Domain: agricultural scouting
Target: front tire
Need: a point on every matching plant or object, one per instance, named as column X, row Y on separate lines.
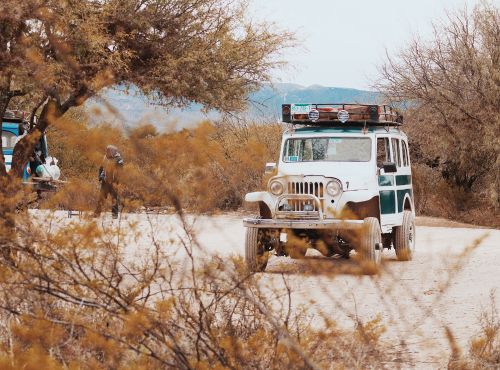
column 370, row 244
column 255, row 255
column 404, row 237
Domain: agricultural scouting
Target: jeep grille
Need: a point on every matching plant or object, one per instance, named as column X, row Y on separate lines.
column 315, row 188
column 306, row 187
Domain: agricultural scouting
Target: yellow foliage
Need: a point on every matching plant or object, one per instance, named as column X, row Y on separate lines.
column 207, row 168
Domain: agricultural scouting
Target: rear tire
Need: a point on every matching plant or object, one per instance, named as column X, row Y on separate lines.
column 370, row 245
column 255, row 255
column 404, row 237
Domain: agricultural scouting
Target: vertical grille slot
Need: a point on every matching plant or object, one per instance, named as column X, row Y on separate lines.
column 315, row 188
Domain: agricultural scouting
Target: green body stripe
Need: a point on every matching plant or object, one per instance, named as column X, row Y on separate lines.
column 386, row 180
column 403, row 179
column 387, row 202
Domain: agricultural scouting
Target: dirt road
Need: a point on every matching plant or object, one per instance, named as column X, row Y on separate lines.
column 448, row 283
column 443, row 286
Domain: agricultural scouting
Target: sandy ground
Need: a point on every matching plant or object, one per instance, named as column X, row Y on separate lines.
column 416, row 300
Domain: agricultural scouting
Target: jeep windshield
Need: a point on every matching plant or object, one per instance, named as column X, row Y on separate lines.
column 329, row 149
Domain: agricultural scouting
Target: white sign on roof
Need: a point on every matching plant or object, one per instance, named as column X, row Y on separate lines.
column 300, row 108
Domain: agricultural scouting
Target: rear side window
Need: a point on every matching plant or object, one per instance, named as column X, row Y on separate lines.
column 9, row 140
column 395, row 152
column 406, row 162
column 383, row 152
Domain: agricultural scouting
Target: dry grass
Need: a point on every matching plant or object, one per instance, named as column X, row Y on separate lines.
column 208, row 168
column 484, row 348
column 72, row 299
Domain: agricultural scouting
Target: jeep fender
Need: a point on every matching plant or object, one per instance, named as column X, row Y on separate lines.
column 266, row 201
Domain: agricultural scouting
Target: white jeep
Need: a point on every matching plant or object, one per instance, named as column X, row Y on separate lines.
column 343, row 183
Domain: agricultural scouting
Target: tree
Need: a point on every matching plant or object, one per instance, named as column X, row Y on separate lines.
column 60, row 53
column 452, row 84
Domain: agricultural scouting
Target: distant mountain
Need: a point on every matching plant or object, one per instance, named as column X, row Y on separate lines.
column 129, row 107
column 267, row 101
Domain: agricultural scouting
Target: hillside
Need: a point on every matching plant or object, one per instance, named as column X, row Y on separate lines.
column 269, row 98
column 131, row 107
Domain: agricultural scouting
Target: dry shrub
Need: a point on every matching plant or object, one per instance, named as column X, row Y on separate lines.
column 450, row 85
column 484, row 348
column 75, row 298
column 434, row 196
column 207, row 168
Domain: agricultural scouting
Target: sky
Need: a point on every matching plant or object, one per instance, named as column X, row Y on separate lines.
column 343, row 41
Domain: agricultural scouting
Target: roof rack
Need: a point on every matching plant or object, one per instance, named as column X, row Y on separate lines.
column 14, row 116
column 341, row 113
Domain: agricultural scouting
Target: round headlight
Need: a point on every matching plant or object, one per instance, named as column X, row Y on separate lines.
column 333, row 188
column 276, row 187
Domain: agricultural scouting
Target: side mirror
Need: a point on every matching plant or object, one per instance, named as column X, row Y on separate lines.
column 389, row 167
column 270, row 168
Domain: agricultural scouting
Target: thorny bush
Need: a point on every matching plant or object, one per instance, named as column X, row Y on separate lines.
column 208, row 168
column 484, row 348
column 77, row 295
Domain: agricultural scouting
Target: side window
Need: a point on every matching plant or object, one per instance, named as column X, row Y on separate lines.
column 9, row 140
column 383, row 153
column 405, row 154
column 395, row 152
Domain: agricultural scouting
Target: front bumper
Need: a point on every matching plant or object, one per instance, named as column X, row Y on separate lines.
column 332, row 224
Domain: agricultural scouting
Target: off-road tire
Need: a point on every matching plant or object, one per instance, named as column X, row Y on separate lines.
column 255, row 255
column 370, row 237
column 404, row 237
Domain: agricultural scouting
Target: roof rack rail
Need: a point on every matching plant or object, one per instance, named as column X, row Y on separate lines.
column 341, row 113
column 14, row 116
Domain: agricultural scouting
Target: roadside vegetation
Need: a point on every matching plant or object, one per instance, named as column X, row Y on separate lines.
column 451, row 86
column 72, row 299
column 207, row 169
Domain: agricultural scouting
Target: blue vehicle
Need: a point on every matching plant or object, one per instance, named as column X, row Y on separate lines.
column 13, row 128
column 41, row 171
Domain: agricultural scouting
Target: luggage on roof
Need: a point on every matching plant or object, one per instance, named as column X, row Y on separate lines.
column 341, row 113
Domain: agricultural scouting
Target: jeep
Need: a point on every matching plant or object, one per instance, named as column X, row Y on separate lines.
column 342, row 183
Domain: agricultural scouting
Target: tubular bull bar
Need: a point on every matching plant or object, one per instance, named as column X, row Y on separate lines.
column 301, row 219
column 315, row 214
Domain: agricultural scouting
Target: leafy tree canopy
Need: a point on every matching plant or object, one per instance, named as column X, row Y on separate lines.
column 453, row 82
column 58, row 53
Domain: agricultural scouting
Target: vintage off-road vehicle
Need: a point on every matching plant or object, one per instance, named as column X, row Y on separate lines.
column 42, row 172
column 343, row 182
